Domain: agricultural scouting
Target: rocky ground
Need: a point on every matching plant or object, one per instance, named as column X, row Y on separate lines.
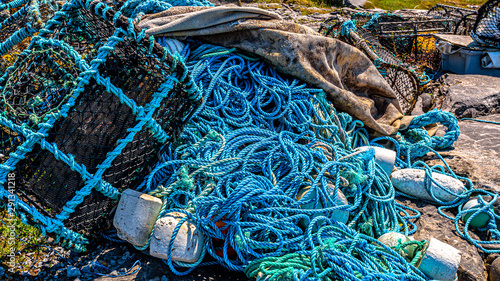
column 476, row 155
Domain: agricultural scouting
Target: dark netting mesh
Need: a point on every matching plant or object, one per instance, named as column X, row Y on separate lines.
column 486, row 29
column 94, row 138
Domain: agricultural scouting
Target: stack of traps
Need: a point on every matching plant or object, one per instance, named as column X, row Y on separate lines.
column 86, row 108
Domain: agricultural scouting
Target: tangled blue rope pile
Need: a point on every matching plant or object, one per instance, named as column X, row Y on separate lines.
column 257, row 140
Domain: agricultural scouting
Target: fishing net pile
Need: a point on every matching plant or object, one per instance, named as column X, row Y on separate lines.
column 86, row 107
column 262, row 164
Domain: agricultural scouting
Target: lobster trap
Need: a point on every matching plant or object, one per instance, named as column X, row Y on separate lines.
column 486, row 29
column 21, row 21
column 463, row 18
column 87, row 108
column 402, row 77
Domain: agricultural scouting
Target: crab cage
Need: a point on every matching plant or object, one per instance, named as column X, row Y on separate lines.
column 412, row 41
column 465, row 18
column 486, row 29
column 402, row 77
column 86, row 110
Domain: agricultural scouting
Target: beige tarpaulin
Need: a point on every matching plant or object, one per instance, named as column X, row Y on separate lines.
column 349, row 77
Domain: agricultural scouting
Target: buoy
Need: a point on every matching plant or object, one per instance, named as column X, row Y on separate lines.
column 392, row 239
column 480, row 220
column 188, row 243
column 135, row 216
column 413, row 182
column 307, row 194
column 440, row 261
column 383, row 156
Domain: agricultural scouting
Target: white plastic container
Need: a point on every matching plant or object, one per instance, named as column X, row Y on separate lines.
column 467, row 61
column 188, row 243
column 135, row 216
column 412, row 182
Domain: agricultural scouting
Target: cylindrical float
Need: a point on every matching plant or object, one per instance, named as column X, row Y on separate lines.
column 413, row 182
column 384, row 157
column 188, row 243
column 440, row 261
column 392, row 239
column 308, row 194
column 480, row 220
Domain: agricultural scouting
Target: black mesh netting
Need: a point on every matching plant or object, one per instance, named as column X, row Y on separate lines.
column 42, row 82
column 486, row 29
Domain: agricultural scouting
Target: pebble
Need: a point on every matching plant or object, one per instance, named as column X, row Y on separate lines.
column 112, row 262
column 164, row 278
column 495, row 270
column 2, row 271
column 72, row 271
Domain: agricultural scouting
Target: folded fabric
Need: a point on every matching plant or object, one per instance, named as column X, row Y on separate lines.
column 348, row 76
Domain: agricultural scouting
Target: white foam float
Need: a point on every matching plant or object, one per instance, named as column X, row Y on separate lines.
column 135, row 216
column 188, row 243
column 440, row 261
column 413, row 183
column 384, row 157
column 306, row 193
column 392, row 239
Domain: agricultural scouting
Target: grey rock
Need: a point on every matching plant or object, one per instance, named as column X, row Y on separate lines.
column 469, row 95
column 432, row 224
column 72, row 271
column 495, row 270
column 355, row 3
column 424, row 104
column 476, row 153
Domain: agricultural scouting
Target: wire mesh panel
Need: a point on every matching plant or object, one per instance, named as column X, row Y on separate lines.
column 487, row 26
column 86, row 110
